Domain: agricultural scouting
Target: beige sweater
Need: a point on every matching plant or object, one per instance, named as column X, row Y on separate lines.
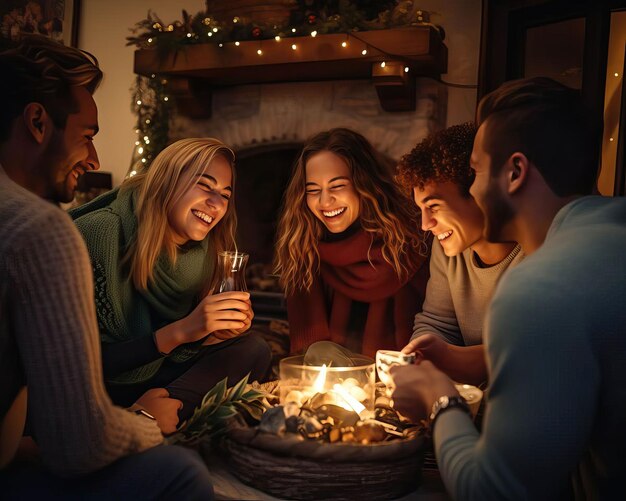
column 457, row 295
column 48, row 326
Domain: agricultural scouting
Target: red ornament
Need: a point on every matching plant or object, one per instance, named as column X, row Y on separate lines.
column 311, row 19
column 256, row 32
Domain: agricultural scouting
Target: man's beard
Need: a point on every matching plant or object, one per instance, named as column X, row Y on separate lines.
column 497, row 215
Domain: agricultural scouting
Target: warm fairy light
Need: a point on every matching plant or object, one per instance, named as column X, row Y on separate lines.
column 616, row 74
column 293, row 30
column 235, row 19
column 153, row 76
column 214, row 30
column 314, row 34
column 166, row 98
column 137, row 131
column 221, row 45
column 344, row 44
column 137, row 143
column 277, row 38
column 149, row 40
column 147, row 141
column 147, row 120
column 610, row 139
column 382, row 65
column 294, row 46
column 406, row 69
column 364, row 52
column 145, row 138
column 210, row 33
column 259, row 52
column 237, row 44
column 143, row 160
column 188, row 35
column 140, row 150
column 132, row 173
column 320, row 380
column 138, row 103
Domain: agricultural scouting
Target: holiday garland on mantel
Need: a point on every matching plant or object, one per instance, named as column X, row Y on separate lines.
column 150, row 101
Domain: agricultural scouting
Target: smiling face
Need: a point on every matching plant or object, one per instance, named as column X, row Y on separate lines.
column 330, row 192
column 70, row 151
column 203, row 204
column 455, row 220
column 488, row 193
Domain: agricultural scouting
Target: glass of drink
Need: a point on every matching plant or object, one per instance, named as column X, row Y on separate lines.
column 231, row 271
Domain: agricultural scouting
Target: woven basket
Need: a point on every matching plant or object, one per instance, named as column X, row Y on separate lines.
column 292, row 468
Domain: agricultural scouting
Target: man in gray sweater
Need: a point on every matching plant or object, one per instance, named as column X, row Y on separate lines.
column 464, row 266
column 555, row 330
column 50, row 362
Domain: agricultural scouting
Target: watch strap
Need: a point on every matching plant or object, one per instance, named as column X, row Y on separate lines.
column 447, row 402
column 145, row 413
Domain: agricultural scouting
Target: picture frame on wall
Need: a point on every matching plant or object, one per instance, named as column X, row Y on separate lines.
column 57, row 19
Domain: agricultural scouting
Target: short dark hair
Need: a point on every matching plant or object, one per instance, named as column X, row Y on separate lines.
column 441, row 157
column 548, row 122
column 38, row 69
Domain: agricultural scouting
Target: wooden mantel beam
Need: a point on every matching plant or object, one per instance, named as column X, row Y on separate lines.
column 418, row 48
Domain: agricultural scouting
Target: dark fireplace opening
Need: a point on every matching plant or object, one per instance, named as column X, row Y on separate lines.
column 262, row 175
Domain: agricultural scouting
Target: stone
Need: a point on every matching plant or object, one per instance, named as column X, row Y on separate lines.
column 291, row 409
column 368, row 433
column 341, row 416
column 291, row 424
column 273, row 421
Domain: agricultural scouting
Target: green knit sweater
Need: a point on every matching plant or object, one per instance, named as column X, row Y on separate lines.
column 108, row 225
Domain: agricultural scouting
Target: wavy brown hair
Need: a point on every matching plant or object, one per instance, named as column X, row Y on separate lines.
column 385, row 212
column 442, row 156
column 171, row 174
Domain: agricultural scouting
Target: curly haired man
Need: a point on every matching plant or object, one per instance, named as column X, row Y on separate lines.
column 464, row 266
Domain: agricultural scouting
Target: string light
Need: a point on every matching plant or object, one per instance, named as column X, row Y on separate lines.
column 149, row 40
column 147, row 141
column 221, row 45
column 237, row 44
column 210, row 33
column 294, row 46
column 364, row 52
column 132, row 173
column 314, row 34
column 143, row 160
column 137, row 143
column 235, row 19
column 140, row 150
column 147, row 121
column 166, row 98
column 138, row 103
column 259, row 52
column 610, row 139
column 277, row 38
column 616, row 74
column 293, row 30
column 406, row 69
column 145, row 138
column 188, row 35
column 344, row 44
column 382, row 65
column 214, row 30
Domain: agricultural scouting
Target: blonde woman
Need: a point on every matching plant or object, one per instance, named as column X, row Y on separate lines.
column 350, row 254
column 153, row 245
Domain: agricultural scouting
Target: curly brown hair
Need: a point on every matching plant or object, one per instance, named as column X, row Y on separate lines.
column 442, row 156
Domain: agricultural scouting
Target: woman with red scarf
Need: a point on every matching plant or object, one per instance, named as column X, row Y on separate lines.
column 349, row 252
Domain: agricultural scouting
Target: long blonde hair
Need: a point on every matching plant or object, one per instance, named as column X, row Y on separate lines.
column 385, row 211
column 171, row 174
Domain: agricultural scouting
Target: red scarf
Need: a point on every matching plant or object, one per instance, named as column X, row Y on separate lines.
column 346, row 270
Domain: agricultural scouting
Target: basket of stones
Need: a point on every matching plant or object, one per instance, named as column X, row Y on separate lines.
column 320, row 450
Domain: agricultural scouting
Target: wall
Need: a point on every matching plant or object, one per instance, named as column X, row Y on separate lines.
column 104, row 27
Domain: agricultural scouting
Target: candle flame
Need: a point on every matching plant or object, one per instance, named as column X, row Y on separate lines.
column 357, row 406
column 320, row 380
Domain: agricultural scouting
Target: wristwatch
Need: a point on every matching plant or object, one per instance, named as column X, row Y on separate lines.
column 447, row 402
column 145, row 413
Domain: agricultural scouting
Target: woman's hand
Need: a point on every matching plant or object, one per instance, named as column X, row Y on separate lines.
column 219, row 336
column 216, row 312
column 164, row 409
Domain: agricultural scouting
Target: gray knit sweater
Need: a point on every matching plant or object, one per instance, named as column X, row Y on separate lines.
column 457, row 295
column 48, row 324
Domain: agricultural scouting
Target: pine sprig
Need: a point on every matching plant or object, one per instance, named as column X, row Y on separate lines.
column 218, row 406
